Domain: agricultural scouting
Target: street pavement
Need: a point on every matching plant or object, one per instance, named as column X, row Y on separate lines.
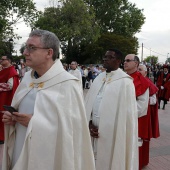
column 159, row 148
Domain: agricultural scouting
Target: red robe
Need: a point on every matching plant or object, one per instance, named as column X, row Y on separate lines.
column 154, row 122
column 153, row 128
column 141, row 85
column 6, row 96
column 164, row 93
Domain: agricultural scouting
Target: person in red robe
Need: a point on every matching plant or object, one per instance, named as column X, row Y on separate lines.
column 9, row 81
column 131, row 64
column 153, row 122
column 163, row 84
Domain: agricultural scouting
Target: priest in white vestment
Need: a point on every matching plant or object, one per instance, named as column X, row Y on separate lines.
column 112, row 114
column 49, row 131
column 75, row 71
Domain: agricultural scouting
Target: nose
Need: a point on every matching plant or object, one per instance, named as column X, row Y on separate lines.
column 25, row 52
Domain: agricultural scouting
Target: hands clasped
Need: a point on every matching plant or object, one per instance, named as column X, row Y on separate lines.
column 11, row 119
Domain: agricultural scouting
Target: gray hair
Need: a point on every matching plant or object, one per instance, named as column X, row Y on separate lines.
column 144, row 67
column 48, row 40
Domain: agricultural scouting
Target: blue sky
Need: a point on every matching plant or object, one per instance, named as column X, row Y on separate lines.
column 155, row 33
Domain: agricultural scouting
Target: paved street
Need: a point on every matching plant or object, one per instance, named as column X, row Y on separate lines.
column 160, row 148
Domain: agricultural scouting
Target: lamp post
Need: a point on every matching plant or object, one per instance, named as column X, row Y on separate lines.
column 10, row 46
column 167, row 58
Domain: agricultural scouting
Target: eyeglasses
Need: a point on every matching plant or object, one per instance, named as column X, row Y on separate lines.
column 30, row 49
column 128, row 60
column 108, row 57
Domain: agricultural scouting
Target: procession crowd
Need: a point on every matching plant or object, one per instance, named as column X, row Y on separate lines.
column 54, row 127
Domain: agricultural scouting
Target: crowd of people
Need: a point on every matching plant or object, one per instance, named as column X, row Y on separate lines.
column 55, row 127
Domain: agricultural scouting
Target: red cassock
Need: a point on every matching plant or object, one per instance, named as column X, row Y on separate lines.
column 141, row 85
column 6, row 96
column 164, row 93
column 153, row 130
column 153, row 109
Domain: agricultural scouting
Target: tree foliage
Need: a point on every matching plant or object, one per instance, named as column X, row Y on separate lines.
column 118, row 16
column 12, row 12
column 93, row 53
column 86, row 28
column 151, row 59
column 73, row 22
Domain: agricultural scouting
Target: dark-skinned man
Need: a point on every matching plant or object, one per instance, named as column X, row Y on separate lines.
column 112, row 114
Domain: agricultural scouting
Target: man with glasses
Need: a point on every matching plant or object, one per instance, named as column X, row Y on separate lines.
column 112, row 114
column 50, row 130
column 131, row 64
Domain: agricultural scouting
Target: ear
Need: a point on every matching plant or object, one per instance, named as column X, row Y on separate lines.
column 50, row 53
column 119, row 61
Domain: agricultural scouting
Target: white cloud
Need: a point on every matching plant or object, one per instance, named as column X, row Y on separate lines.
column 155, row 33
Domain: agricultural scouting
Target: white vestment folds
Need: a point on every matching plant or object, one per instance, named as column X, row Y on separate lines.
column 117, row 145
column 57, row 136
column 77, row 74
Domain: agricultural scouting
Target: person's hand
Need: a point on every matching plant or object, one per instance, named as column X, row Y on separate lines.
column 162, row 87
column 7, row 118
column 93, row 130
column 22, row 118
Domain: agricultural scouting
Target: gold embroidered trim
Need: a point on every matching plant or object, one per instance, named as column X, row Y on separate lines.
column 41, row 85
column 31, row 85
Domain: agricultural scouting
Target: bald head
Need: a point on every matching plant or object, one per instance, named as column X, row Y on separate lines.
column 131, row 63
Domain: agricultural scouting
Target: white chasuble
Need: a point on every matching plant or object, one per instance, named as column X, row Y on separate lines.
column 117, row 145
column 57, row 136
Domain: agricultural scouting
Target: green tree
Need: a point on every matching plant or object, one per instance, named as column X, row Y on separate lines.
column 118, row 16
column 87, row 27
column 151, row 59
column 93, row 53
column 74, row 23
column 14, row 11
column 11, row 13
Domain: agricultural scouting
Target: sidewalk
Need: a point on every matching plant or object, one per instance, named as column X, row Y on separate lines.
column 160, row 148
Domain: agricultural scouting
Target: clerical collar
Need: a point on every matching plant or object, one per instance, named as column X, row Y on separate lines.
column 36, row 75
column 109, row 74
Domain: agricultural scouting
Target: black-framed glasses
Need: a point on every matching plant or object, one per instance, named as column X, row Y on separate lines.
column 108, row 57
column 129, row 60
column 33, row 48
